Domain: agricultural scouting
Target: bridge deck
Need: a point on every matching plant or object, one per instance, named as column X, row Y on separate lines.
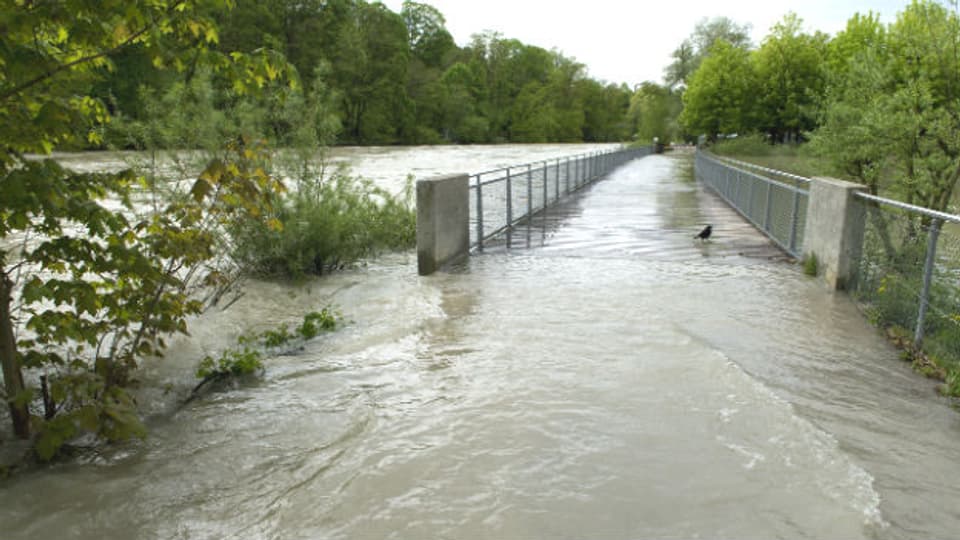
column 634, row 213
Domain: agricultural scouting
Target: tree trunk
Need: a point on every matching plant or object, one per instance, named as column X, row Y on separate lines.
column 12, row 376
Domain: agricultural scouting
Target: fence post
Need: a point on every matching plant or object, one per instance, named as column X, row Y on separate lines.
column 557, row 175
column 766, row 211
column 443, row 221
column 529, row 192
column 834, row 229
column 795, row 218
column 927, row 279
column 546, row 194
column 509, row 208
column 479, row 213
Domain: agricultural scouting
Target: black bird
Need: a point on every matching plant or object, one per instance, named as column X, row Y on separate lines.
column 705, row 233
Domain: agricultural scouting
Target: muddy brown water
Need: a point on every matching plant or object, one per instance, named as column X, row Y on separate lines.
column 614, row 380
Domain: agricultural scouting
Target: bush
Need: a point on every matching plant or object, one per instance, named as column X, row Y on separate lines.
column 325, row 226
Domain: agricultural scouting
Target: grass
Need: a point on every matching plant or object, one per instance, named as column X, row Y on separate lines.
column 792, row 158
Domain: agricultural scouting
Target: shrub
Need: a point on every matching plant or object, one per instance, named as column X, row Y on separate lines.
column 326, row 225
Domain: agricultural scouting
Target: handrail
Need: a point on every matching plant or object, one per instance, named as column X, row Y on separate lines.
column 754, row 166
column 936, row 214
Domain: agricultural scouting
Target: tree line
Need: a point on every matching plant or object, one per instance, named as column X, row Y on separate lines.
column 880, row 102
column 382, row 78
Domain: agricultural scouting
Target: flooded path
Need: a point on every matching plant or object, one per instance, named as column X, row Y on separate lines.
column 615, row 380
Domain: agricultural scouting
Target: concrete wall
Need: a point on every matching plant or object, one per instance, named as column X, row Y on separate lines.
column 834, row 229
column 443, row 221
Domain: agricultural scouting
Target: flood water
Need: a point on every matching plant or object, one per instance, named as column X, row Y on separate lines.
column 614, row 380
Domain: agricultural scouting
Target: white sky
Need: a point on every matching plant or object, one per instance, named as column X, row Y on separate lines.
column 631, row 40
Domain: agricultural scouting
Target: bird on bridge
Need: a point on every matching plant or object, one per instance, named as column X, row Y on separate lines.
column 705, row 233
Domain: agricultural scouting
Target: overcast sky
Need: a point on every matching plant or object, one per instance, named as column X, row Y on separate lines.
column 631, row 40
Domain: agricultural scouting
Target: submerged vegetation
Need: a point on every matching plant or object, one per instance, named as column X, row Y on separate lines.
column 246, row 359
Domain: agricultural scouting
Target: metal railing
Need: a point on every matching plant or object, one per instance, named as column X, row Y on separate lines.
column 908, row 272
column 907, row 268
column 775, row 202
column 503, row 198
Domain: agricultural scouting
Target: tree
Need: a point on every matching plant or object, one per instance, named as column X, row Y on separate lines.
column 848, row 113
column 369, row 70
column 722, row 92
column 655, row 109
column 691, row 52
column 429, row 40
column 85, row 290
column 894, row 106
column 463, row 97
column 788, row 69
column 432, row 49
column 604, row 111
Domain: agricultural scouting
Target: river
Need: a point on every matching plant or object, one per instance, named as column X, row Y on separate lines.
column 615, row 380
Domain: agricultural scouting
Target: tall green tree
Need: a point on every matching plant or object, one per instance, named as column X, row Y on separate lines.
column 655, row 110
column 605, row 109
column 722, row 93
column 432, row 50
column 369, row 70
column 849, row 116
column 791, row 79
column 898, row 104
column 691, row 52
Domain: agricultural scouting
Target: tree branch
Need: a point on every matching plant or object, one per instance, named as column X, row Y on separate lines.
column 90, row 58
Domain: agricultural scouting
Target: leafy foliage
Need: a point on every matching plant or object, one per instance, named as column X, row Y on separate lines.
column 655, row 110
column 326, row 224
column 247, row 358
column 232, row 362
column 91, row 281
column 316, row 322
column 790, row 79
column 721, row 96
column 692, row 51
column 395, row 78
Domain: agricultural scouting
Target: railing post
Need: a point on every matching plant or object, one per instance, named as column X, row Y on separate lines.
column 546, row 194
column 479, row 213
column 529, row 191
column 794, row 219
column 558, row 179
column 509, row 208
column 927, row 280
column 766, row 211
column 529, row 200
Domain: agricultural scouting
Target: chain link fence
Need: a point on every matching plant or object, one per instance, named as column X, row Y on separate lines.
column 503, row 198
column 908, row 274
column 775, row 202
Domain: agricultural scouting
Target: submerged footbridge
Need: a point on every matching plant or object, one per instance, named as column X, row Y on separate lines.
column 650, row 384
column 461, row 213
column 559, row 206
